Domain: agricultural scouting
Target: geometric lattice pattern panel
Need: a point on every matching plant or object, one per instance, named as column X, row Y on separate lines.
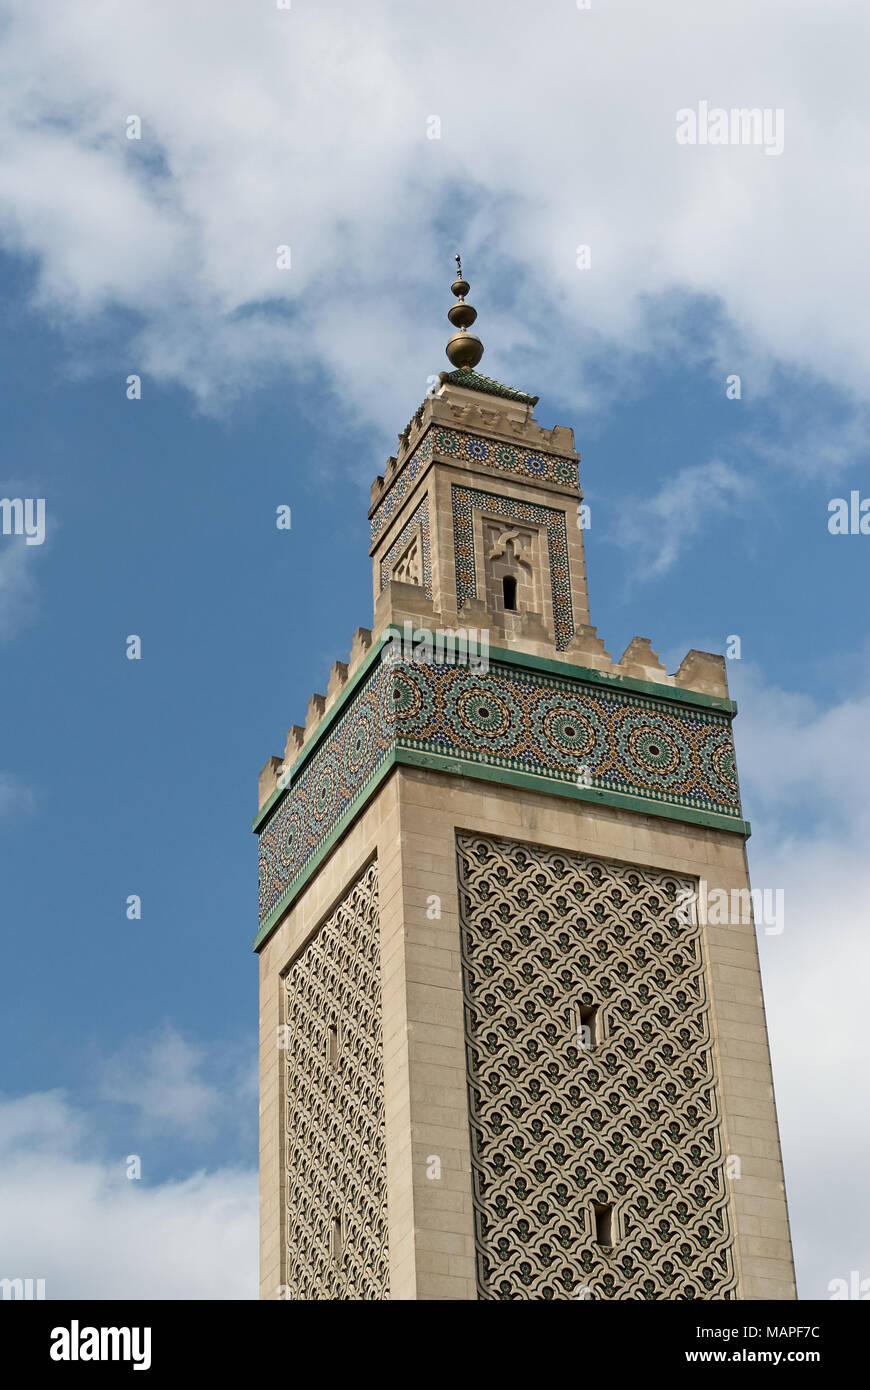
column 335, row 1158
column 509, row 459
column 622, row 1117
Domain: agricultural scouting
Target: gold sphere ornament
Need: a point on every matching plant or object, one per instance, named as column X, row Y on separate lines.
column 461, row 315
column 464, row 350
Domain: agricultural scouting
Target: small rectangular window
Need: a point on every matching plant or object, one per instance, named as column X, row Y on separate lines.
column 587, row 1024
column 337, row 1240
column 332, row 1045
column 603, row 1223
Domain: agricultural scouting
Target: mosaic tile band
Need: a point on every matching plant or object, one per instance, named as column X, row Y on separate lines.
column 327, row 785
column 568, row 732
column 473, row 448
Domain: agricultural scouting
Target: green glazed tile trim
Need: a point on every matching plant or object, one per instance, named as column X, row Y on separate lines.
column 295, row 888
column 621, row 800
column 475, row 381
column 568, row 671
column 564, row 670
column 480, row 772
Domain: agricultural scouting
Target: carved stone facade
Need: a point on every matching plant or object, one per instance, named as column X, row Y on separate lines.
column 618, row 1114
column 512, row 553
column 513, row 1071
column 408, row 558
column 408, row 569
column 496, row 535
column 336, row 1187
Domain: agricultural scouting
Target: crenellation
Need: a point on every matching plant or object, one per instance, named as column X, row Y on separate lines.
column 470, row 413
column 398, row 602
column 499, row 416
column 642, row 663
column 314, row 714
column 703, row 671
column 534, row 632
column 586, row 648
column 293, row 746
column 360, row 648
column 561, row 439
column 268, row 779
column 337, row 682
column 474, row 613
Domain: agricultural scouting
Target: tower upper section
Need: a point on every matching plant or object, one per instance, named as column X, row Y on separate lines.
column 477, row 527
column 481, row 511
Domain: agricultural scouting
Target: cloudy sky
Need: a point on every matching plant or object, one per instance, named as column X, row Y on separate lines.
column 372, row 140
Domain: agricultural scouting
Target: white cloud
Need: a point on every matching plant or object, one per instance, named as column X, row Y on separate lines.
column 163, row 1077
column 655, row 530
column 308, row 127
column 811, row 443
column 81, row 1225
column 16, row 799
column 71, row 1215
column 797, row 753
column 804, row 774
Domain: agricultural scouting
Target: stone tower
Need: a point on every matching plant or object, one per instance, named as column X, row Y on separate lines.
column 507, row 1050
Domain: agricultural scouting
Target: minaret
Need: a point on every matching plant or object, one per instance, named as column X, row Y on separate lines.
column 507, row 1049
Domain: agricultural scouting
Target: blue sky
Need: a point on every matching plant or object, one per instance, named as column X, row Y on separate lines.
column 258, row 389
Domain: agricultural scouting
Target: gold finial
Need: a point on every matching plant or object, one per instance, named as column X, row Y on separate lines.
column 463, row 349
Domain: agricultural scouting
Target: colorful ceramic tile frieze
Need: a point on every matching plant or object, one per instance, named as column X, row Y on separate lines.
column 473, row 448
column 566, row 733
column 326, row 787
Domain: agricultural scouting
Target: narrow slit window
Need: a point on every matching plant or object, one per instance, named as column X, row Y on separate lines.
column 603, row 1223
column 587, row 1025
column 332, row 1045
column 337, row 1240
column 509, row 590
